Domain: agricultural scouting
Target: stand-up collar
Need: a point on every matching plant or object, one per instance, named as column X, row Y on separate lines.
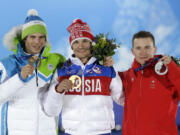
column 77, row 61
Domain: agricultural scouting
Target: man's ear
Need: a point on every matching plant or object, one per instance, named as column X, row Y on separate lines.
column 132, row 51
column 155, row 49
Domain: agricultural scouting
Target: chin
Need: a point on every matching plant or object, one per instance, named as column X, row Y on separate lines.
column 35, row 52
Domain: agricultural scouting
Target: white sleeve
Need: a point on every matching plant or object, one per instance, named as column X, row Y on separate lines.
column 8, row 86
column 53, row 101
column 3, row 73
column 116, row 90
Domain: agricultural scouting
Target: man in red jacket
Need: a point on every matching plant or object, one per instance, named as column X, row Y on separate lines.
column 151, row 97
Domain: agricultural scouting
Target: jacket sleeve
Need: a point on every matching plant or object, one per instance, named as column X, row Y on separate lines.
column 8, row 86
column 174, row 75
column 53, row 101
column 116, row 90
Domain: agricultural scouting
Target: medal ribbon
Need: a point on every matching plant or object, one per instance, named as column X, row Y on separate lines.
column 145, row 65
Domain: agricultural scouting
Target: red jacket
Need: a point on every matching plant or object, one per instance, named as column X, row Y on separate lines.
column 151, row 100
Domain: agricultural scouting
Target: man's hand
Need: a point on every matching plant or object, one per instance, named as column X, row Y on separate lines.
column 108, row 61
column 27, row 70
column 166, row 60
column 64, row 86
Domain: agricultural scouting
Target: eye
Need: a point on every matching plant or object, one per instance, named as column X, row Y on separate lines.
column 32, row 37
column 76, row 42
column 147, row 47
column 138, row 48
column 42, row 37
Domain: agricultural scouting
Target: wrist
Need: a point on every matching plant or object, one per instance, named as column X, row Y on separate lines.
column 23, row 76
column 26, row 79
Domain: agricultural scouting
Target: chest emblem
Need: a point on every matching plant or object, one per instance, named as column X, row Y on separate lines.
column 152, row 84
column 50, row 67
column 97, row 70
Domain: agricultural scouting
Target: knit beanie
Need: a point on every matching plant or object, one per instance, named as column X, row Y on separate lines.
column 79, row 30
column 33, row 24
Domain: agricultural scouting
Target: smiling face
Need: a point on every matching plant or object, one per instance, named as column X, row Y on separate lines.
column 143, row 49
column 81, row 49
column 34, row 43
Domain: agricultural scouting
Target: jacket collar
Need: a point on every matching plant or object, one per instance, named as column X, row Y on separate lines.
column 77, row 61
column 43, row 54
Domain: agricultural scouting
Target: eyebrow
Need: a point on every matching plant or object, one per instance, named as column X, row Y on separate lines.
column 43, row 36
column 85, row 40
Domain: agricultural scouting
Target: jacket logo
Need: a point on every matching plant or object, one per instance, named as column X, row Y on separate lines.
column 50, row 67
column 93, row 85
column 152, row 84
column 97, row 70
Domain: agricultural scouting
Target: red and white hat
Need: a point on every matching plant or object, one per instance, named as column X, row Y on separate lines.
column 79, row 30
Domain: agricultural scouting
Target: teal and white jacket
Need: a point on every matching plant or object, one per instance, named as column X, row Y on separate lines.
column 21, row 112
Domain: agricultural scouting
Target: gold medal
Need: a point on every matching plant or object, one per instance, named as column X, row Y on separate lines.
column 34, row 59
column 75, row 78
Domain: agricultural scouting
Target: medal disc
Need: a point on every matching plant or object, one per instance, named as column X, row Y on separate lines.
column 74, row 78
column 158, row 68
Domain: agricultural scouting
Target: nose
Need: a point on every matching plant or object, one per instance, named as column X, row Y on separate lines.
column 81, row 45
column 143, row 52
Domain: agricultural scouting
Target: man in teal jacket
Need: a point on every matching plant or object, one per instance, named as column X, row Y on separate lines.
column 22, row 74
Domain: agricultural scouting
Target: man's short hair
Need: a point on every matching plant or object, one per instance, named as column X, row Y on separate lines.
column 143, row 34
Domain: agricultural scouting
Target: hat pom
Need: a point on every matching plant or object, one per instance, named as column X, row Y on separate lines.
column 32, row 12
column 77, row 20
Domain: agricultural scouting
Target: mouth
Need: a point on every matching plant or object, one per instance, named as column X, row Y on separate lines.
column 37, row 47
column 81, row 50
column 143, row 58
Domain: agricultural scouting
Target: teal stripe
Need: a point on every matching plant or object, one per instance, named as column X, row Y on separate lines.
column 4, row 129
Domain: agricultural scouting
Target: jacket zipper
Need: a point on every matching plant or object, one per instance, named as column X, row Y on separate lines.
column 37, row 129
column 139, row 98
column 83, row 81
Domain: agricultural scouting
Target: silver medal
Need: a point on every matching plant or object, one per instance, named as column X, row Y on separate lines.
column 158, row 67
